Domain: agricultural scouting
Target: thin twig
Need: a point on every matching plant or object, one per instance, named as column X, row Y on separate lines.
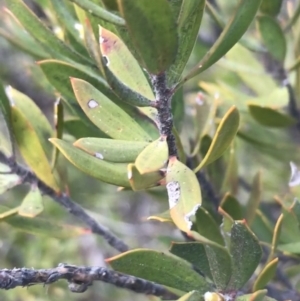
column 163, row 97
column 79, row 279
column 65, row 201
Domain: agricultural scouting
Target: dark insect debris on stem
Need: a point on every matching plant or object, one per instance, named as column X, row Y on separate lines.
column 79, row 279
column 163, row 96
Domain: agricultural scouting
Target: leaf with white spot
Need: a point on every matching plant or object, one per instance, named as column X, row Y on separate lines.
column 184, row 194
column 113, row 150
column 295, row 175
column 105, row 114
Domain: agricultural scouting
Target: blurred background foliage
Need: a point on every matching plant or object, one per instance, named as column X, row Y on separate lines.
column 259, row 75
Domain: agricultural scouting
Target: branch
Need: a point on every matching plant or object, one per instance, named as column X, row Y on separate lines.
column 79, row 279
column 163, row 97
column 65, row 201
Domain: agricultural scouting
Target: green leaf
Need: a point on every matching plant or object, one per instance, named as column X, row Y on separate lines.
column 112, row 173
column 123, row 64
column 143, row 181
column 295, row 209
column 6, row 129
column 245, row 253
column 152, row 28
column 188, row 24
column 31, row 149
column 35, row 117
column 159, row 267
column 219, row 261
column 124, row 93
column 257, row 296
column 270, row 117
column 59, row 127
column 206, row 226
column 244, row 62
column 118, row 151
column 163, row 217
column 100, row 12
column 18, row 37
column 153, row 157
column 226, row 226
column 273, row 37
column 191, row 296
column 290, row 231
column 41, row 33
column 64, row 13
column 194, row 253
column 276, row 237
column 184, row 194
column 40, row 226
column 105, row 114
column 91, row 43
column 293, row 247
column 233, row 31
column 254, row 198
column 32, row 204
column 271, row 7
column 232, row 206
column 224, row 135
column 266, row 275
column 8, row 180
column 58, row 73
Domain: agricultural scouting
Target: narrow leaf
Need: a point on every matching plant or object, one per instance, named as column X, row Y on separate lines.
column 270, row 117
column 118, row 151
column 272, row 36
column 112, row 173
column 224, row 135
column 159, row 267
column 35, row 117
column 232, row 206
column 123, row 64
column 5, row 113
column 105, row 114
column 233, row 31
column 152, row 29
column 271, row 7
column 254, row 198
column 31, row 149
column 266, row 275
column 99, row 11
column 191, row 296
column 257, row 296
column 40, row 226
column 41, row 33
column 188, row 24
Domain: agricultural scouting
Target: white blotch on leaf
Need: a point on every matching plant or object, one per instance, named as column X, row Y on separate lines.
column 295, row 175
column 188, row 216
column 173, row 189
column 99, row 156
column 92, row 104
column 129, row 174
